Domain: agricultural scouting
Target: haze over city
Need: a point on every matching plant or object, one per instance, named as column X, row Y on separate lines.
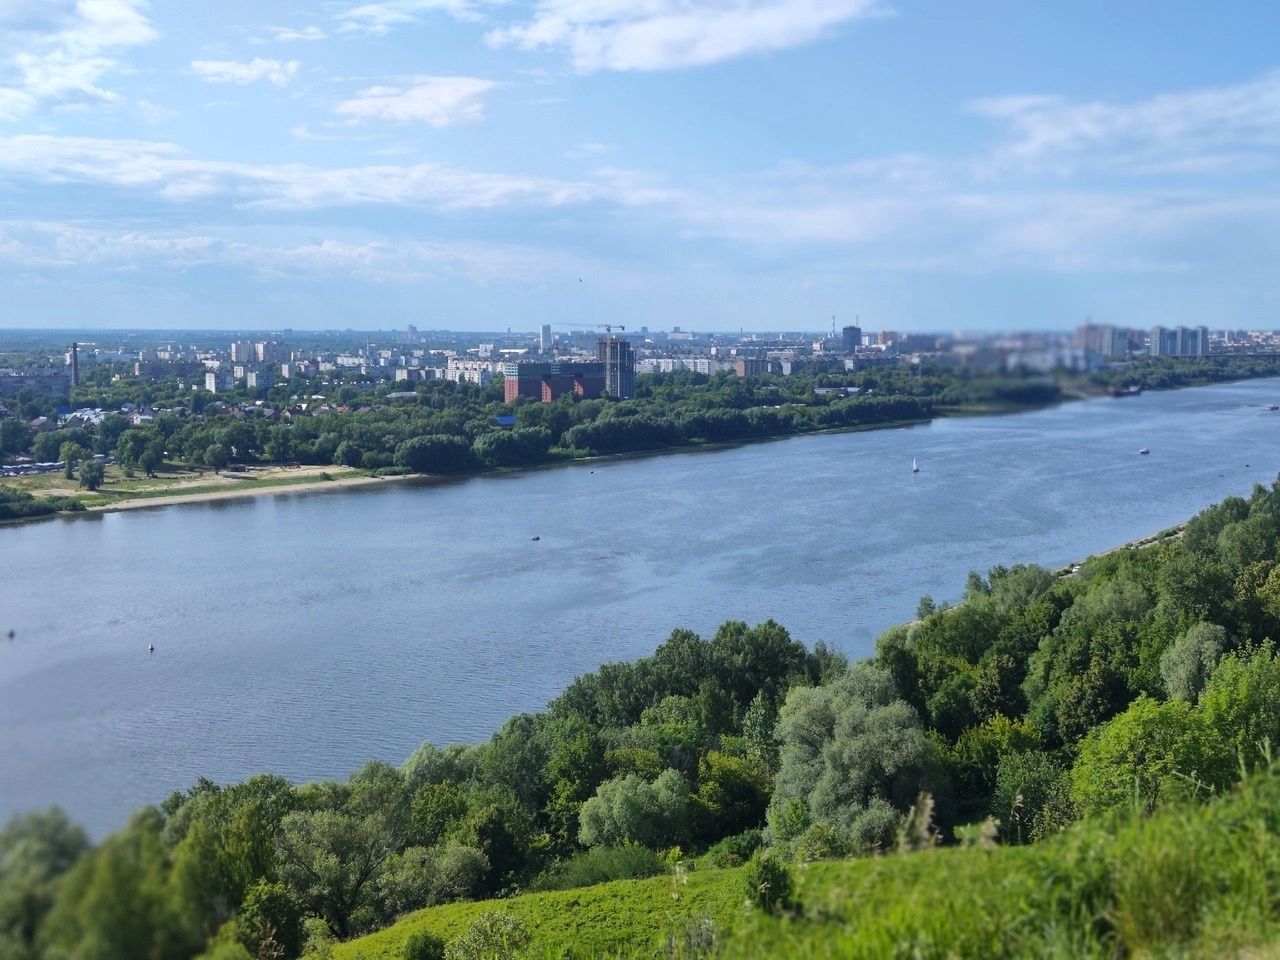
column 758, row 164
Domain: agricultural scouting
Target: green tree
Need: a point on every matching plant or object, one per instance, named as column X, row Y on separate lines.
column 848, row 748
column 1239, row 706
column 35, row 850
column 331, row 862
column 71, row 453
column 1149, row 753
column 1187, row 662
column 92, row 473
column 116, row 904
column 435, row 453
column 630, row 810
column 280, row 447
column 215, row 455
column 15, row 436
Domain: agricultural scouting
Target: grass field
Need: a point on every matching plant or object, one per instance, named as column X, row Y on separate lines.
column 1192, row 881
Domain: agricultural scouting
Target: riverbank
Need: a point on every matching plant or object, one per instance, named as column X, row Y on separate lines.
column 252, row 488
column 189, row 485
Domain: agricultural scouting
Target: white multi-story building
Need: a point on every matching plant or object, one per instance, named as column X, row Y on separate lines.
column 462, row 370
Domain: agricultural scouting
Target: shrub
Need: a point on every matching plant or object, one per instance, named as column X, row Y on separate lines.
column 769, row 882
column 733, row 851
column 496, row 935
column 601, row 865
column 423, row 945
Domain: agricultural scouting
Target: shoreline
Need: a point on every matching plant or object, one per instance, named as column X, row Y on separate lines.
column 273, row 487
column 265, row 488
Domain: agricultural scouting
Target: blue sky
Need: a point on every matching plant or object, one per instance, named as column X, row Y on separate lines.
column 710, row 164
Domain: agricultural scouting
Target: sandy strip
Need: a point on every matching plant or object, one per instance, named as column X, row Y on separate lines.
column 233, row 493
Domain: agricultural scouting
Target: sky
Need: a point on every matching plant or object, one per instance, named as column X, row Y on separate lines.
column 708, row 164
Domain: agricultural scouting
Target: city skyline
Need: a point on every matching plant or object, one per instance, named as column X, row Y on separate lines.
column 758, row 164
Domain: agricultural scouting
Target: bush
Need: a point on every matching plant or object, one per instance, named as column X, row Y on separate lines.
column 733, row 851
column 423, row 945
column 600, row 865
column 496, row 935
column 769, row 882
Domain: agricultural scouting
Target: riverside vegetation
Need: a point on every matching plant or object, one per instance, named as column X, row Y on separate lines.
column 451, row 428
column 1089, row 752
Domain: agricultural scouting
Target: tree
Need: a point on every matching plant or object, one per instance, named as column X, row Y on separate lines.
column 280, row 446
column 15, row 436
column 71, row 453
column 215, row 455
column 1150, row 752
column 331, row 862
column 435, row 453
column 35, row 850
column 1239, row 705
column 847, row 748
column 152, row 456
column 630, row 810
column 115, row 904
column 348, row 454
column 92, row 474
column 1187, row 662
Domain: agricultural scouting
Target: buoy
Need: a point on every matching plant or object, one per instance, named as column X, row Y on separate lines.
column 12, row 634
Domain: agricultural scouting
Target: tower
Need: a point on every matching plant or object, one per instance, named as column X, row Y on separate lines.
column 75, row 364
column 619, row 366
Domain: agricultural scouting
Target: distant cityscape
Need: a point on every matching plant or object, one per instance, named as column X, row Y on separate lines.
column 544, row 365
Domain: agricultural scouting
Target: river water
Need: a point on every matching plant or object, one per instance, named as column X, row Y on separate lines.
column 305, row 633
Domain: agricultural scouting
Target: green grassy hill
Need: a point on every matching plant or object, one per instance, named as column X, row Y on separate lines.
column 1191, row 881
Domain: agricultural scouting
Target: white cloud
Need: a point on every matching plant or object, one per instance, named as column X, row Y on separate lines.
column 53, row 244
column 435, row 101
column 279, row 72
column 56, row 51
column 153, row 113
column 1215, row 128
column 294, row 34
column 168, row 174
column 670, row 34
column 382, row 16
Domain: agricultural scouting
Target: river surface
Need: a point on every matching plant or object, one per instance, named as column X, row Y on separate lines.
column 305, row 633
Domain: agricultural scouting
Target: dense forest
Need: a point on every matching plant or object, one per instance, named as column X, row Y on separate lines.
column 1145, row 677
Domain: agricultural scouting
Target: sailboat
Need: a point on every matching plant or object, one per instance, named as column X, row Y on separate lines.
column 915, row 465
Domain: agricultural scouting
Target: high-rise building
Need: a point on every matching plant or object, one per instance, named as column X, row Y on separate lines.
column 619, row 366
column 852, row 338
column 1179, row 342
column 544, row 339
column 243, row 351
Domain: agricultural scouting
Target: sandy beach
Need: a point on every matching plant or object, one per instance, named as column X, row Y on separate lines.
column 260, row 488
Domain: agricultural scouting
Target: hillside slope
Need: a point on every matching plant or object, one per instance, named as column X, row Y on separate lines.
column 1194, row 880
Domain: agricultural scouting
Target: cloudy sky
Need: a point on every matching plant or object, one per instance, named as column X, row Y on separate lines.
column 712, row 164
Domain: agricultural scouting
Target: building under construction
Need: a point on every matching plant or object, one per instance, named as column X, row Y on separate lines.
column 619, row 361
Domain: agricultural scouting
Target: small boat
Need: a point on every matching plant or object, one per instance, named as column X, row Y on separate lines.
column 915, row 465
column 151, row 648
column 1273, row 407
column 1144, row 451
column 535, row 538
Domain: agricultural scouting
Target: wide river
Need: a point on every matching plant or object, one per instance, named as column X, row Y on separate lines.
column 305, row 633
